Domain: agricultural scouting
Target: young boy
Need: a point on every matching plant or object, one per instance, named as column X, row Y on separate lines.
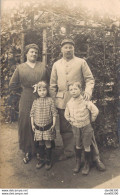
column 80, row 114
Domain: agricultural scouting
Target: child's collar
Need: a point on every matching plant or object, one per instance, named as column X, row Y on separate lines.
column 80, row 97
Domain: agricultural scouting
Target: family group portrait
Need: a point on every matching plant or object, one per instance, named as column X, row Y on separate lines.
column 60, row 94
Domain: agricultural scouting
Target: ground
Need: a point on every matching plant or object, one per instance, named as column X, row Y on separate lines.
column 15, row 174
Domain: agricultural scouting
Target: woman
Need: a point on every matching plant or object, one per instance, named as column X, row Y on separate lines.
column 27, row 74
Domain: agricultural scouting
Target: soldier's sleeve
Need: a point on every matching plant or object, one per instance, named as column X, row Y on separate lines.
column 53, row 82
column 88, row 78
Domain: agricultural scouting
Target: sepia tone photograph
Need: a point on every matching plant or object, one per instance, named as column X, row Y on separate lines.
column 60, row 94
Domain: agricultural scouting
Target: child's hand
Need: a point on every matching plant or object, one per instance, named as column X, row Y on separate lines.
column 71, row 121
column 33, row 128
column 52, row 128
column 93, row 119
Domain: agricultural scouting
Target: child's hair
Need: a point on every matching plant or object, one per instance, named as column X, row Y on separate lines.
column 41, row 84
column 77, row 84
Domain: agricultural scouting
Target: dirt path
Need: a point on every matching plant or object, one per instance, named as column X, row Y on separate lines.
column 15, row 174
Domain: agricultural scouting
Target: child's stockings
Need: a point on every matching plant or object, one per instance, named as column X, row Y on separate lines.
column 48, row 164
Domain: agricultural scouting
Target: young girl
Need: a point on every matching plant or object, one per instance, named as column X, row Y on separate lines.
column 80, row 114
column 43, row 119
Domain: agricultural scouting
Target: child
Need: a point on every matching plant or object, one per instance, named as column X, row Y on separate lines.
column 80, row 114
column 43, row 119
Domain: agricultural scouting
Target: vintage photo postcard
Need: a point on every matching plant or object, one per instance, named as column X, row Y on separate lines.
column 60, row 96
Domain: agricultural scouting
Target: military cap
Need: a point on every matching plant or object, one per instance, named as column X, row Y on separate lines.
column 65, row 41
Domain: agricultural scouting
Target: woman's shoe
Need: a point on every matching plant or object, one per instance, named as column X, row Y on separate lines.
column 27, row 158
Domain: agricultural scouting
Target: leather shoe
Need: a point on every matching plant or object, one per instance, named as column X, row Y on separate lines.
column 27, row 158
column 40, row 164
column 99, row 165
column 86, row 168
column 77, row 167
column 48, row 165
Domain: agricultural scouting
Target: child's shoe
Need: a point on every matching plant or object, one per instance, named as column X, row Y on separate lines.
column 41, row 161
column 40, row 164
column 48, row 164
column 86, row 167
column 77, row 167
column 78, row 160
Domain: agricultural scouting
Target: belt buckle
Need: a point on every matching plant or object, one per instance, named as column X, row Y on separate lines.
column 43, row 128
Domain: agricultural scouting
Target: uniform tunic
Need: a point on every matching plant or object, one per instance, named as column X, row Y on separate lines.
column 27, row 77
column 64, row 73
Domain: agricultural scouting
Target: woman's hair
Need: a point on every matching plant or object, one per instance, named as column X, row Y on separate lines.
column 76, row 84
column 34, row 46
column 41, row 84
